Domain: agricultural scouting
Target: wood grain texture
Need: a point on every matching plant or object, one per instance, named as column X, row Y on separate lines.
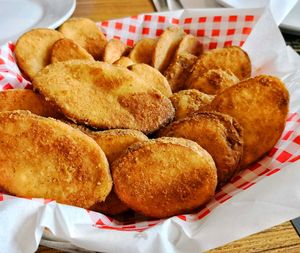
column 282, row 238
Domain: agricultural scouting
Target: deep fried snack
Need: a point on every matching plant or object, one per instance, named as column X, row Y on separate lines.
column 113, row 50
column 124, row 61
column 260, row 105
column 103, row 96
column 33, row 50
column 23, row 99
column 219, row 134
column 86, row 33
column 114, row 143
column 187, row 102
column 189, row 44
column 66, row 49
column 152, row 77
column 143, row 50
column 166, row 46
column 50, row 159
column 229, row 58
column 214, row 81
column 164, row 177
column 179, row 70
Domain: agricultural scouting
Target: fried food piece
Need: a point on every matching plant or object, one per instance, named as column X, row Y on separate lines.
column 260, row 105
column 33, row 50
column 143, row 50
column 113, row 50
column 23, row 99
column 86, row 33
column 164, row 177
column 152, row 77
column 166, row 47
column 219, row 134
column 179, row 70
column 229, row 58
column 114, row 143
column 66, row 49
column 103, row 96
column 187, row 102
column 189, row 44
column 214, row 81
column 49, row 159
column 124, row 61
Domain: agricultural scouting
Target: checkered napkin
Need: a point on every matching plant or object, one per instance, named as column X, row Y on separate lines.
column 259, row 197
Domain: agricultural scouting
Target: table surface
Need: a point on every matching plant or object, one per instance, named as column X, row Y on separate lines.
column 282, row 238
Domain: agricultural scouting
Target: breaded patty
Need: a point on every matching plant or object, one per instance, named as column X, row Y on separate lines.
column 164, row 177
column 143, row 50
column 189, row 44
column 50, row 159
column 219, row 134
column 113, row 50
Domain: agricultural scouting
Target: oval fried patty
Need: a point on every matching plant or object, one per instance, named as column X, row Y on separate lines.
column 260, row 105
column 164, row 177
column 104, row 96
column 45, row 158
column 219, row 134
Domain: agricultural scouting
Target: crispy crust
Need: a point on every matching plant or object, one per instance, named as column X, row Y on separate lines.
column 152, row 77
column 143, row 50
column 124, row 61
column 187, row 102
column 86, row 33
column 103, row 96
column 260, row 105
column 66, row 49
column 219, row 134
column 158, row 187
column 50, row 159
column 23, row 99
column 189, row 44
column 33, row 50
column 114, row 49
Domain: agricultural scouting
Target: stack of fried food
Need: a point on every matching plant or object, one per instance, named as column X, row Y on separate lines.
column 155, row 128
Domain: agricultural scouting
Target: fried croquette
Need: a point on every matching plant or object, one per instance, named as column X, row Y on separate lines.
column 260, row 105
column 164, row 177
column 187, row 102
column 179, row 70
column 113, row 50
column 189, row 44
column 214, row 81
column 219, row 134
column 166, row 47
column 50, row 159
column 66, row 49
column 33, row 50
column 85, row 33
column 152, row 77
column 143, row 50
column 114, row 143
column 232, row 59
column 124, row 61
column 23, row 99
column 103, row 96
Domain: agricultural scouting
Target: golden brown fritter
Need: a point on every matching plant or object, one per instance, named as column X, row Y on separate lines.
column 124, row 61
column 189, row 44
column 229, row 58
column 260, row 105
column 143, row 50
column 219, row 134
column 86, row 33
column 152, row 77
column 187, row 102
column 33, row 50
column 114, row 143
column 113, row 50
column 179, row 70
column 164, row 177
column 214, row 81
column 45, row 158
column 103, row 96
column 66, row 49
column 23, row 99
column 166, row 47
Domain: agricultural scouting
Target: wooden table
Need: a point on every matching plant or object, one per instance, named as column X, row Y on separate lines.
column 282, row 238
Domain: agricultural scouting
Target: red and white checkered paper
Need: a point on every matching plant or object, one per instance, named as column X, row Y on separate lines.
column 227, row 27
